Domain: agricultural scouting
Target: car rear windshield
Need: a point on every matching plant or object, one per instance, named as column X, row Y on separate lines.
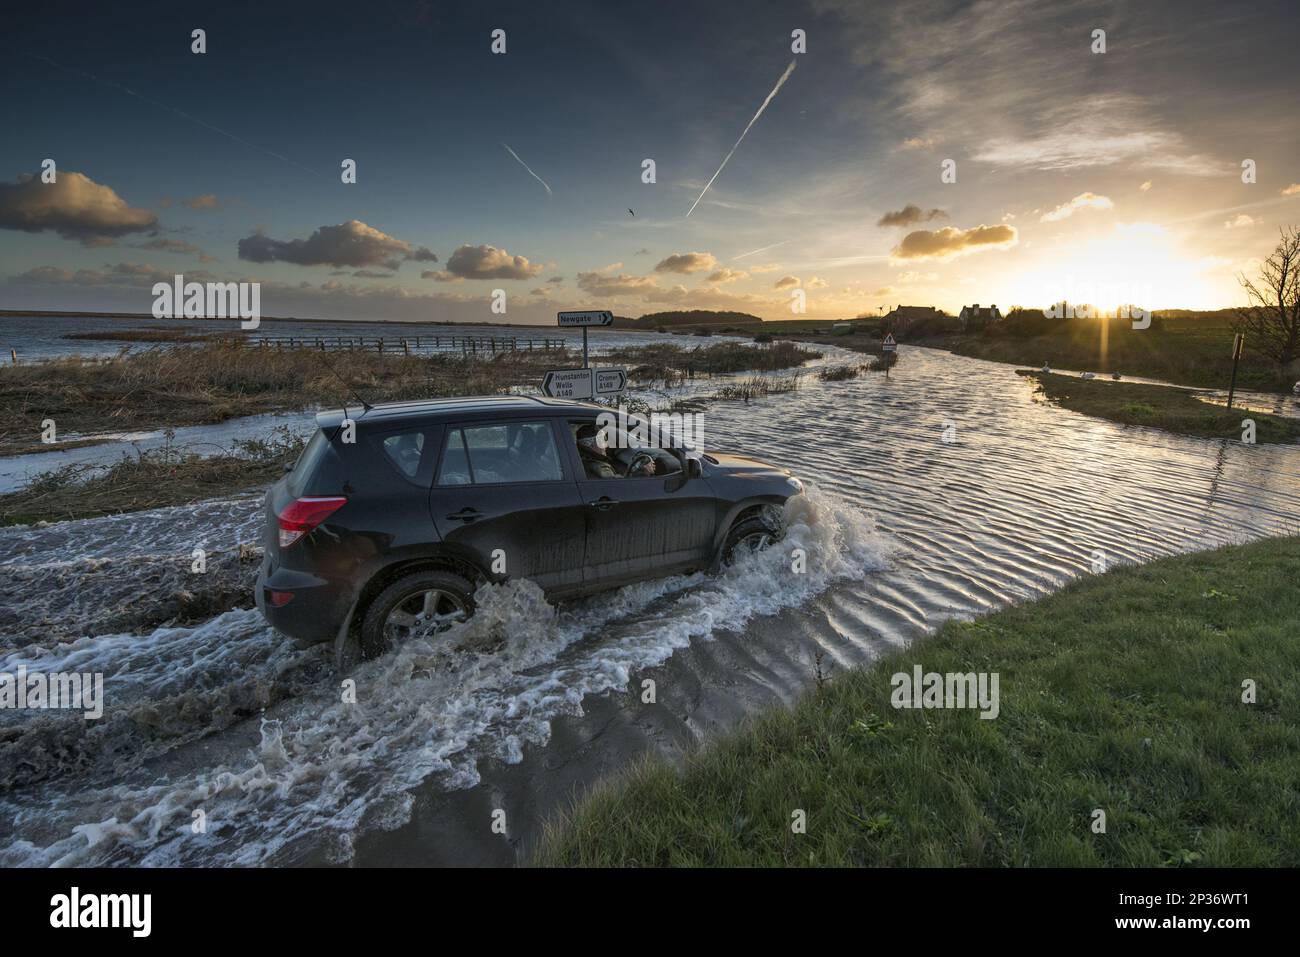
column 307, row 462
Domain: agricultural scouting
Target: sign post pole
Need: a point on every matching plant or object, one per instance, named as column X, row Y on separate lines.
column 585, row 363
column 1237, row 342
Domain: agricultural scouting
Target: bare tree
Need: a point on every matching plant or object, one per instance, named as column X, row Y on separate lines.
column 1271, row 320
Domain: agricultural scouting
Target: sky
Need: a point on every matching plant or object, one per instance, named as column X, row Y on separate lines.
column 1106, row 177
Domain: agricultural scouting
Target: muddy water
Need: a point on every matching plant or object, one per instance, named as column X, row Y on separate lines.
column 528, row 704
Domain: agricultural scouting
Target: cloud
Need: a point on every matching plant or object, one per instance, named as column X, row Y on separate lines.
column 1291, row 190
column 122, row 274
column 642, row 252
column 352, row 244
column 556, row 279
column 1240, row 220
column 1082, row 201
column 600, row 284
column 726, row 275
column 372, row 274
column 74, row 206
column 439, row 275
column 917, row 143
column 170, row 246
column 488, row 262
column 1146, row 186
column 910, row 215
column 883, row 291
column 206, row 201
column 950, row 242
column 816, row 282
column 787, row 282
column 687, row 263
column 766, row 267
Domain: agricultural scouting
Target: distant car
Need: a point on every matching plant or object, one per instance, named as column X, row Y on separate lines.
column 392, row 533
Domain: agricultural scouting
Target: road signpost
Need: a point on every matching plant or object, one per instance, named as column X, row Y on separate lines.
column 585, row 318
column 568, row 384
column 888, row 346
column 610, row 381
column 584, row 383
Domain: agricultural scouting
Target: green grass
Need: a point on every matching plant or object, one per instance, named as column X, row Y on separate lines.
column 1121, row 692
column 1193, row 350
column 1158, row 406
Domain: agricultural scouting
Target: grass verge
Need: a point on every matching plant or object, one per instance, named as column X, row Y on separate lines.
column 1191, row 350
column 1122, row 693
column 1160, row 407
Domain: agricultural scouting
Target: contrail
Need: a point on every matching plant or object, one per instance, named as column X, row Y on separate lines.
column 761, row 249
column 779, row 83
column 529, row 168
column 171, row 109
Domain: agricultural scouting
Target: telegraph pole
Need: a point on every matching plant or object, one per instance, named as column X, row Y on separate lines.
column 1236, row 357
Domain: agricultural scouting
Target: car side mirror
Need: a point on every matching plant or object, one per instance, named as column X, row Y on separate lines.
column 693, row 468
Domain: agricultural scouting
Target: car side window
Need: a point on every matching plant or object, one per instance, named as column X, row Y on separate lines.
column 404, row 450
column 600, row 461
column 453, row 467
column 501, row 453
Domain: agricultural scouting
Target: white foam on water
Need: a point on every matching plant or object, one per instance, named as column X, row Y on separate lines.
column 487, row 688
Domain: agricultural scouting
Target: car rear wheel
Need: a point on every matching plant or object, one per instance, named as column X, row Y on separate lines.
column 754, row 534
column 421, row 604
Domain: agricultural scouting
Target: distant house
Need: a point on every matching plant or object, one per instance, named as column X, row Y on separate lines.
column 841, row 328
column 918, row 321
column 976, row 317
column 901, row 316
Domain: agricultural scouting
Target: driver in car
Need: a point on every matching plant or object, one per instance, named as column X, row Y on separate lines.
column 600, row 464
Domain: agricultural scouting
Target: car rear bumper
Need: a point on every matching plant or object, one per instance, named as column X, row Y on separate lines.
column 313, row 613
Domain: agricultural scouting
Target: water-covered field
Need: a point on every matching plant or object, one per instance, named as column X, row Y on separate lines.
column 527, row 703
column 46, row 337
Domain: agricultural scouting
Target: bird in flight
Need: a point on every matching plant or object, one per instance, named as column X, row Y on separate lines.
column 630, row 211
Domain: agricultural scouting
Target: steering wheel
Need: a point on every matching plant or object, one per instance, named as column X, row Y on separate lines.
column 633, row 465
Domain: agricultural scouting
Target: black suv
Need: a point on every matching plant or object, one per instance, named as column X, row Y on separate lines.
column 392, row 532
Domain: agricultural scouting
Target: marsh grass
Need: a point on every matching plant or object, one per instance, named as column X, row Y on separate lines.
column 153, row 478
column 215, row 381
column 673, row 365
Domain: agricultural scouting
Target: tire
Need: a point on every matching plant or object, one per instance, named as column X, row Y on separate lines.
column 398, row 611
column 755, row 533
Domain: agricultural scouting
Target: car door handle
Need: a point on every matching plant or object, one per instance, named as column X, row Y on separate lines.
column 466, row 515
column 604, row 503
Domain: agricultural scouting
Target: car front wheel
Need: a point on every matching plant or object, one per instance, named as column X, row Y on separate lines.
column 422, row 604
column 751, row 535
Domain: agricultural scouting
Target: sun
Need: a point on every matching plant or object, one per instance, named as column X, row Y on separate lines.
column 1135, row 264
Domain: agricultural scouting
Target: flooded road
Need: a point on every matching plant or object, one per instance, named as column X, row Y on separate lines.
column 943, row 490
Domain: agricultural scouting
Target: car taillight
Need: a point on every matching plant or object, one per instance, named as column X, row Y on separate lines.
column 302, row 515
